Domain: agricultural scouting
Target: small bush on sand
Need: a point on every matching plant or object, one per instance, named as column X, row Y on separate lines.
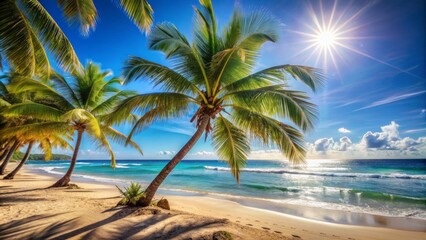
column 131, row 194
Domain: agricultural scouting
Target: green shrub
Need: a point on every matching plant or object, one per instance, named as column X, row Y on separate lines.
column 131, row 194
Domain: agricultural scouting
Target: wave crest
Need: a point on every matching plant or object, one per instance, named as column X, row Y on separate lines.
column 324, row 174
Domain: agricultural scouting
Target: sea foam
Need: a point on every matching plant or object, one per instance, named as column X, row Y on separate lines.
column 325, row 174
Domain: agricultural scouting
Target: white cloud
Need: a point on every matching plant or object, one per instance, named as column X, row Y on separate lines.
column 323, row 144
column 386, row 142
column 203, row 153
column 383, row 139
column 344, row 144
column 95, row 154
column 343, row 130
column 166, row 152
column 265, row 151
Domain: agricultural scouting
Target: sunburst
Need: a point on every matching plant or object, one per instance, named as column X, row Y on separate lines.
column 330, row 31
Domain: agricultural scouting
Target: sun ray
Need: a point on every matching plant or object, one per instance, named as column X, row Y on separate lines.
column 332, row 33
column 378, row 60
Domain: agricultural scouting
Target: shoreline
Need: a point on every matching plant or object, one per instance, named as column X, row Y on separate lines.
column 326, row 215
column 90, row 204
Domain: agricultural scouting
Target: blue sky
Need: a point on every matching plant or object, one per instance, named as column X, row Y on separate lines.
column 375, row 91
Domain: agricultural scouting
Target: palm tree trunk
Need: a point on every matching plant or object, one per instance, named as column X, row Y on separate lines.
column 63, row 182
column 3, row 154
column 24, row 159
column 8, row 157
column 155, row 184
column 5, row 150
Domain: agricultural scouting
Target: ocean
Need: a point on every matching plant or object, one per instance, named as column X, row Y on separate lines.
column 389, row 187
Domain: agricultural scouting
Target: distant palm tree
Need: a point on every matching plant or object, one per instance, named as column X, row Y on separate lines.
column 79, row 104
column 10, row 142
column 46, row 143
column 28, row 32
column 13, row 146
column 19, row 130
column 215, row 74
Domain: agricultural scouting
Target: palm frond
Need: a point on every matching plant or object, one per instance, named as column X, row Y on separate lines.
column 51, row 35
column 277, row 101
column 109, row 104
column 33, row 110
column 37, row 130
column 262, row 78
column 312, row 77
column 46, row 147
column 254, row 29
column 82, row 12
column 140, row 12
column 231, row 145
column 227, row 66
column 206, row 40
column 165, row 37
column 271, row 132
column 42, row 65
column 249, row 33
column 120, row 138
column 41, row 90
column 148, row 118
column 4, row 103
column 136, row 68
column 15, row 38
column 66, row 89
column 171, row 105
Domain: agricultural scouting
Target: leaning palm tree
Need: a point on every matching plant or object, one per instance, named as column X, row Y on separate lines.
column 46, row 144
column 28, row 33
column 10, row 143
column 16, row 143
column 79, row 104
column 16, row 131
column 215, row 73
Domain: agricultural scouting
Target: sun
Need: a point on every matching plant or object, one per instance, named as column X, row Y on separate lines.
column 326, row 39
column 326, row 35
column 331, row 33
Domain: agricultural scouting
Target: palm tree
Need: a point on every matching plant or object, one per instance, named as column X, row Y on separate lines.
column 9, row 155
column 28, row 32
column 12, row 174
column 79, row 104
column 11, row 142
column 46, row 143
column 216, row 74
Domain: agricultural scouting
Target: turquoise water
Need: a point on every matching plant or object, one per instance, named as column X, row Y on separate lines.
column 385, row 187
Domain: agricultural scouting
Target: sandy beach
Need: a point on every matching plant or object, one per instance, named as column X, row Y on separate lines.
column 30, row 211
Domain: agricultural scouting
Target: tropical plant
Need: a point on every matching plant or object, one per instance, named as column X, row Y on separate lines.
column 78, row 104
column 131, row 194
column 28, row 32
column 46, row 144
column 11, row 142
column 216, row 74
column 15, row 144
